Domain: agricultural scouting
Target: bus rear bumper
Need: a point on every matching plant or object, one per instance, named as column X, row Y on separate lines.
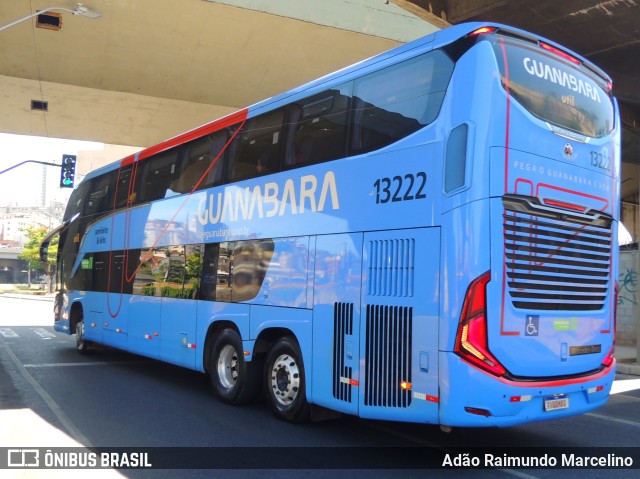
column 474, row 398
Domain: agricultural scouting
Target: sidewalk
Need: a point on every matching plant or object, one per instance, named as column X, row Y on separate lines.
column 627, row 360
column 37, row 297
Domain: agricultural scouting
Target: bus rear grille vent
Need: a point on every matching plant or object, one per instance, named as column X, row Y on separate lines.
column 388, row 356
column 555, row 260
column 391, row 268
column 342, row 326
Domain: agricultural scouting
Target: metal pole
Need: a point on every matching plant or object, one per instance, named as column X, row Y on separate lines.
column 29, row 161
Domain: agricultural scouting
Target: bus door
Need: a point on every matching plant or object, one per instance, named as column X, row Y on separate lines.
column 399, row 325
column 115, row 324
column 178, row 318
column 115, row 327
column 336, row 320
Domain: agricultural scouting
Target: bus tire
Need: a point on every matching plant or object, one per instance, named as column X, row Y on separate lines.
column 234, row 380
column 285, row 381
column 82, row 345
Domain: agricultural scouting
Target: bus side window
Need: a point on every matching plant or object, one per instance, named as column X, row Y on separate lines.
column 256, row 149
column 122, row 186
column 146, row 269
column 317, row 127
column 249, row 261
column 394, row 102
column 82, row 279
column 209, row 272
column 456, row 159
column 194, row 255
column 100, row 194
column 155, row 175
column 116, row 273
column 197, row 171
column 100, row 272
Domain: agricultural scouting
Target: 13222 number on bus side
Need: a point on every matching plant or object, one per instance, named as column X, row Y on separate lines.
column 401, row 188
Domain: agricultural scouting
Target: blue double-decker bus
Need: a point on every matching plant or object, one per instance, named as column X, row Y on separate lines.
column 426, row 236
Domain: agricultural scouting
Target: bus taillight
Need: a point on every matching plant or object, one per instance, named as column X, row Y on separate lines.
column 482, row 30
column 471, row 341
column 559, row 52
column 610, row 358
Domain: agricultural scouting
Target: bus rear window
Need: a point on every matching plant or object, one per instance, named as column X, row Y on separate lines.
column 554, row 90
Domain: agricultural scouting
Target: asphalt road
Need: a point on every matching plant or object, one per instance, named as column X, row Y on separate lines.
column 51, row 396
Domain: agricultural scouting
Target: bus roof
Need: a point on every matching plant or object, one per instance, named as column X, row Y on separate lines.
column 435, row 40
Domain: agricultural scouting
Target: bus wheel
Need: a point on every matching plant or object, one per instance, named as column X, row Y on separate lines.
column 285, row 381
column 234, row 380
column 82, row 345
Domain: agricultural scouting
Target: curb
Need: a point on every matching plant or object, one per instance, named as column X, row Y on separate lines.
column 632, row 369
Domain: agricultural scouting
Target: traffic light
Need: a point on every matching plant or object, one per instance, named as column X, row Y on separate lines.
column 68, row 171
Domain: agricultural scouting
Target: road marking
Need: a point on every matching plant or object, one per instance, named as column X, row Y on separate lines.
column 8, row 333
column 43, row 333
column 98, row 363
column 73, row 431
column 614, row 419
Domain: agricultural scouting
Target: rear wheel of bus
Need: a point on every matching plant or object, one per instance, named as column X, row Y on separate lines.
column 285, row 381
column 234, row 380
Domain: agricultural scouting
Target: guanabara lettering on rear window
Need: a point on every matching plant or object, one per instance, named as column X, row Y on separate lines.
column 561, row 77
column 555, row 90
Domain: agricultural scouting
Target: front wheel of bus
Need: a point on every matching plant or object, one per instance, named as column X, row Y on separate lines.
column 82, row 345
column 234, row 380
column 285, row 381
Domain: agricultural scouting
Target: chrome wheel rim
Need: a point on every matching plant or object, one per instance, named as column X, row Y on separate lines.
column 285, row 379
column 228, row 367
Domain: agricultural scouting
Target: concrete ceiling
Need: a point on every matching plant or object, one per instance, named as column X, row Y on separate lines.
column 147, row 70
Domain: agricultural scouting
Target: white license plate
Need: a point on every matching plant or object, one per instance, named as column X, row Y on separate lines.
column 553, row 403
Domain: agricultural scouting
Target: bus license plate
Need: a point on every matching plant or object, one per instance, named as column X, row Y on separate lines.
column 553, row 403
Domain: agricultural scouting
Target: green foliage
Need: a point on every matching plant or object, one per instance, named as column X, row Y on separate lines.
column 31, row 249
column 149, row 290
column 173, row 291
column 194, row 265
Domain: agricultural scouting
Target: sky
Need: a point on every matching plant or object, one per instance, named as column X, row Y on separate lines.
column 22, row 186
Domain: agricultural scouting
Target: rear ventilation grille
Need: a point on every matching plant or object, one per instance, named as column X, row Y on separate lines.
column 556, row 259
column 391, row 268
column 342, row 326
column 388, row 356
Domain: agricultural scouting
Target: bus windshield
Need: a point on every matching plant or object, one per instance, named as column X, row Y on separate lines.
column 554, row 90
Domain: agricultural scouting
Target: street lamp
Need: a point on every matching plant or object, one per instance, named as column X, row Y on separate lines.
column 79, row 10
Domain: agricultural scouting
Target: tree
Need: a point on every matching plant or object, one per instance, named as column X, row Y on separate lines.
column 31, row 250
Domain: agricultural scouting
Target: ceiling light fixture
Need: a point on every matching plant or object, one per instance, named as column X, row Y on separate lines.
column 79, row 11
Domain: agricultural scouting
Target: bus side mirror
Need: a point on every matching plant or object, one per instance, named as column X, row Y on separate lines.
column 44, row 253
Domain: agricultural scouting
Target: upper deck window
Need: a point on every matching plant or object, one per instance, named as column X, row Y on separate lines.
column 553, row 89
column 394, row 102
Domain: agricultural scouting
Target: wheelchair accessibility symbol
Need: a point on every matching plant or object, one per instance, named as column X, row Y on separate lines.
column 532, row 325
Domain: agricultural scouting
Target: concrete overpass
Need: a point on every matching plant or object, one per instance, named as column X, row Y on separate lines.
column 150, row 69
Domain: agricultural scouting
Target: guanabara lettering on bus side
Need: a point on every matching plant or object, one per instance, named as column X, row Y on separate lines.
column 267, row 200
